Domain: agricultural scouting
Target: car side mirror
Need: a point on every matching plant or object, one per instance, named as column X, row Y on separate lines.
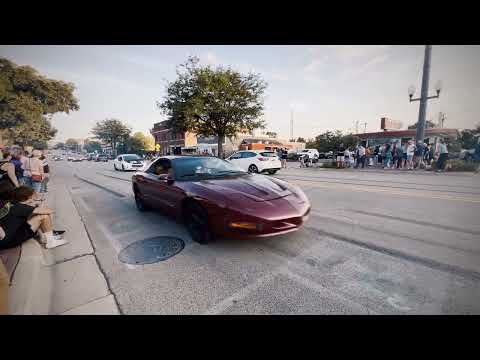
column 167, row 178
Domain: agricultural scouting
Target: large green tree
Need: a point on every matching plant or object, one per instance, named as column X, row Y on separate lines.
column 92, row 146
column 71, row 144
column 214, row 101
column 331, row 140
column 28, row 100
column 428, row 125
column 112, row 132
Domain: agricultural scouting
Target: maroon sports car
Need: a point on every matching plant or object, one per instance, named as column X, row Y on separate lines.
column 215, row 198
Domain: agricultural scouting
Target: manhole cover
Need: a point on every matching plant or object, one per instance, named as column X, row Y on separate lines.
column 152, row 250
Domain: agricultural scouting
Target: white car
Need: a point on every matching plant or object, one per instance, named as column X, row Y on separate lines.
column 311, row 153
column 256, row 161
column 126, row 162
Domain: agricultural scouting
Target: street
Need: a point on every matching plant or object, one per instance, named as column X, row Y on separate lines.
column 377, row 242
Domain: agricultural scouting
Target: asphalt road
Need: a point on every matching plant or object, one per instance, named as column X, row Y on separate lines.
column 376, row 243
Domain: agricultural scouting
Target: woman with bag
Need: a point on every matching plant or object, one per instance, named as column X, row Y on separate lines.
column 34, row 171
column 46, row 174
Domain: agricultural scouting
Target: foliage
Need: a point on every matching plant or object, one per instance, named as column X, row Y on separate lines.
column 301, row 139
column 460, row 165
column 213, row 102
column 112, row 132
column 92, row 146
column 149, row 143
column 59, row 146
column 28, row 100
column 271, row 134
column 468, row 139
column 71, row 144
column 428, row 124
column 32, row 131
column 330, row 141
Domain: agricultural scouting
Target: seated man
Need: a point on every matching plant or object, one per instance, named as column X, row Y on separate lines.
column 21, row 219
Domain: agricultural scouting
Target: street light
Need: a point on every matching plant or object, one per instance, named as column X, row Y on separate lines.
column 438, row 87
column 411, row 92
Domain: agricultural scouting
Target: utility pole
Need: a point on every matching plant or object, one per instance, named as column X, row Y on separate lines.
column 424, row 93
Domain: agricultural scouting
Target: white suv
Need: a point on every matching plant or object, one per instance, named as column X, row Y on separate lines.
column 255, row 161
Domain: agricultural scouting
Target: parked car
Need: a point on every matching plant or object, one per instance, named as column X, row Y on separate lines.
column 70, row 158
column 126, row 162
column 57, row 158
column 311, row 153
column 216, row 198
column 101, row 158
column 256, row 161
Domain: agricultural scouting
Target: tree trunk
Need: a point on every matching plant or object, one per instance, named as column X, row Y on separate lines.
column 221, row 139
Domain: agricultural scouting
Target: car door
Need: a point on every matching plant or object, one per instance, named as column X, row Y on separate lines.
column 236, row 159
column 156, row 190
column 249, row 158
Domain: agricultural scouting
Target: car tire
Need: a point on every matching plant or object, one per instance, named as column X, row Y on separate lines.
column 115, row 167
column 272, row 172
column 123, row 168
column 253, row 169
column 196, row 220
column 139, row 202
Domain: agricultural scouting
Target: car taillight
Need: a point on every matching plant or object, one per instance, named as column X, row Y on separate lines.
column 263, row 159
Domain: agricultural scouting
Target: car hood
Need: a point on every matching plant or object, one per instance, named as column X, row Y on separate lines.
column 255, row 187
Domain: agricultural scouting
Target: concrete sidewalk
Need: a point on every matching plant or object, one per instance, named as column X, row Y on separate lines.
column 65, row 280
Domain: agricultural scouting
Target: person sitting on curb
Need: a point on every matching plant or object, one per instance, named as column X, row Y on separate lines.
column 22, row 218
column 7, row 170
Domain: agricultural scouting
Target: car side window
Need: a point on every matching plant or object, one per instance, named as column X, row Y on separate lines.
column 119, row 158
column 160, row 167
column 248, row 155
column 236, row 156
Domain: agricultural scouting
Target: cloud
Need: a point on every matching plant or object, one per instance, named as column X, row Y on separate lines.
column 354, row 72
column 279, row 76
column 209, row 58
column 315, row 64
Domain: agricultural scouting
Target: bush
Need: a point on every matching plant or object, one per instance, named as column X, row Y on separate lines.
column 460, row 165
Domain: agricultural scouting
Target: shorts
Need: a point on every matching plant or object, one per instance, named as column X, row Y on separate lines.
column 409, row 157
column 340, row 158
column 22, row 234
column 404, row 156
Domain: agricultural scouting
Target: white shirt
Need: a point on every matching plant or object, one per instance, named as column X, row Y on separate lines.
column 361, row 151
column 442, row 148
column 410, row 149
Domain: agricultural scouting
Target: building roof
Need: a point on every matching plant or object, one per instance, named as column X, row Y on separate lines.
column 407, row 133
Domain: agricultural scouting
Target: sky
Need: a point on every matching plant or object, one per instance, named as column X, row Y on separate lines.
column 327, row 87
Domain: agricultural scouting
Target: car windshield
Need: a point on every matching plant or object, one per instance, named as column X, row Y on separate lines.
column 199, row 168
column 131, row 157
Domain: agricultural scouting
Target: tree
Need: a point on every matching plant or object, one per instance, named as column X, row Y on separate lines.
column 467, row 137
column 32, row 131
column 213, row 102
column 428, row 124
column 111, row 131
column 301, row 139
column 330, row 141
column 149, row 143
column 59, row 146
column 28, row 100
column 71, row 144
column 92, row 146
column 271, row 134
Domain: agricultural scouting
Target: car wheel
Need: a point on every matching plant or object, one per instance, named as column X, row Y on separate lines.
column 115, row 167
column 196, row 220
column 123, row 168
column 252, row 169
column 272, row 172
column 139, row 202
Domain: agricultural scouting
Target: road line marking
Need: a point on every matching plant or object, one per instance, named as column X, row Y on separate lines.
column 84, row 204
column 115, row 244
column 344, row 187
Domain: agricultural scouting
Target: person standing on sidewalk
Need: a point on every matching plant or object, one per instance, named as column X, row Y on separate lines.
column 399, row 154
column 361, row 156
column 46, row 174
column 284, row 158
column 443, row 155
column 419, row 149
column 410, row 153
column 34, row 171
column 340, row 156
column 388, row 156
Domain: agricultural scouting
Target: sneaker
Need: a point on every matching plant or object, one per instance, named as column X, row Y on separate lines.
column 58, row 232
column 56, row 242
